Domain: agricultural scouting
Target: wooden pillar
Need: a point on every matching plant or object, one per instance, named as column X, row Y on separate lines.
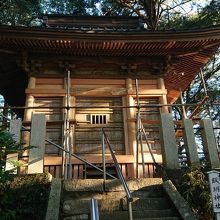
column 38, row 135
column 125, row 122
column 209, row 143
column 28, row 112
column 131, row 123
column 15, row 130
column 29, row 99
column 190, row 143
column 168, row 142
column 163, row 98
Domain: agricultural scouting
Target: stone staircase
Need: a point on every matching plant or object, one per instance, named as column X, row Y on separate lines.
column 150, row 201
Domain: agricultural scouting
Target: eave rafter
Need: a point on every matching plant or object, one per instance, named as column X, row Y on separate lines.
column 182, row 53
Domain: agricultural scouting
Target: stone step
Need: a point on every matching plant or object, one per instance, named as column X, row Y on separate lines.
column 122, row 215
column 98, row 185
column 147, row 203
column 81, row 206
column 154, row 193
column 163, row 218
column 119, row 215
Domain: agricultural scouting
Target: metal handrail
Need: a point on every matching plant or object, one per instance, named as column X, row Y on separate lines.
column 121, row 177
column 94, row 211
column 79, row 158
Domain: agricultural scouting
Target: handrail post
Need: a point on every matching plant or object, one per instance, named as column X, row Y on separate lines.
column 103, row 157
column 120, row 175
column 130, row 214
column 94, row 209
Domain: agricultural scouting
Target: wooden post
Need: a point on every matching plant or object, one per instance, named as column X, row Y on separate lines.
column 28, row 112
column 36, row 154
column 210, row 147
column 168, row 142
column 15, row 130
column 29, row 99
column 131, row 125
column 189, row 141
column 163, row 98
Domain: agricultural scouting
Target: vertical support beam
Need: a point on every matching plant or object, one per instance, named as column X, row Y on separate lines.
column 168, row 142
column 15, row 130
column 36, row 154
column 190, row 143
column 28, row 114
column 130, row 116
column 210, row 148
column 125, row 122
column 163, row 98
column 29, row 99
column 131, row 124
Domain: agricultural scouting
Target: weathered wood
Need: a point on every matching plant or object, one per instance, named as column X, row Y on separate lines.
column 168, row 142
column 50, row 122
column 49, row 81
column 163, row 98
column 209, row 143
column 190, row 143
column 127, row 147
column 32, row 82
column 47, row 91
column 96, row 159
column 29, row 103
column 97, row 81
column 36, row 154
column 145, row 82
column 46, row 86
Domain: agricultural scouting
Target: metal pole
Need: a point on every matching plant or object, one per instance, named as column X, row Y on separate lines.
column 183, row 107
column 103, row 157
column 138, row 128
column 64, row 145
column 205, row 91
column 130, row 214
column 70, row 152
column 94, row 209
column 69, row 166
column 79, row 158
column 148, row 145
column 142, row 153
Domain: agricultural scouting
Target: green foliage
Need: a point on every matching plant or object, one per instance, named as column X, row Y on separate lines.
column 24, row 197
column 18, row 12
column 7, row 146
column 70, row 7
column 195, row 189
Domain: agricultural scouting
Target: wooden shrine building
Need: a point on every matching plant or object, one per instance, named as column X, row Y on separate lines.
column 104, row 56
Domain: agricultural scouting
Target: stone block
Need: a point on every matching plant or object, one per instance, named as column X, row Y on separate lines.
column 38, row 134
column 86, row 185
column 54, row 200
column 77, row 217
column 168, row 142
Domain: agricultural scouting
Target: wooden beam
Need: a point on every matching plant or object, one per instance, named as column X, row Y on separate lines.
column 46, row 91
column 98, row 82
column 95, row 159
column 57, row 122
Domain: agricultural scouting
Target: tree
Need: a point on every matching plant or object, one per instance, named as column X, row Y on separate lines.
column 18, row 12
column 70, row 7
column 154, row 12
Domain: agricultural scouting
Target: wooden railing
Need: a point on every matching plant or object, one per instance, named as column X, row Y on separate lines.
column 80, row 171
